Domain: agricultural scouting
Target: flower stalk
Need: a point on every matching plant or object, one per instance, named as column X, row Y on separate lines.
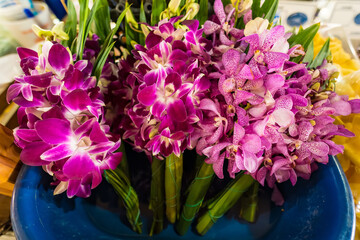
column 249, row 203
column 157, row 195
column 173, row 178
column 122, row 186
column 196, row 195
column 223, row 202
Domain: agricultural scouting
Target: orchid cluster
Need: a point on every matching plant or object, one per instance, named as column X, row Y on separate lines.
column 267, row 115
column 161, row 84
column 237, row 96
column 61, row 118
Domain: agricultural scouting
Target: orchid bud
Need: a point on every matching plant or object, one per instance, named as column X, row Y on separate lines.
column 58, row 31
column 192, row 10
column 130, row 17
column 42, row 33
column 144, row 29
column 242, row 5
column 174, row 6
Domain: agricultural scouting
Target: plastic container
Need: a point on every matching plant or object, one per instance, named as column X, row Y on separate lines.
column 21, row 30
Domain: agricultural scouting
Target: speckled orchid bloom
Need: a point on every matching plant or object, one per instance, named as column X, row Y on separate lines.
column 224, row 25
column 267, row 116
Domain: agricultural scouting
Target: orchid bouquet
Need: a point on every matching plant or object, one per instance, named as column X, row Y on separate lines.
column 251, row 99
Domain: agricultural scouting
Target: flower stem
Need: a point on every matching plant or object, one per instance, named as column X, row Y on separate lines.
column 173, row 178
column 157, row 195
column 122, row 186
column 197, row 192
column 249, row 203
column 223, row 202
column 123, row 165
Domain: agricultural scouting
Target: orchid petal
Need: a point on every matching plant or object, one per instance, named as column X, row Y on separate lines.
column 57, row 153
column 78, row 166
column 177, row 111
column 53, row 131
column 30, row 155
column 77, row 100
column 59, row 57
column 231, row 60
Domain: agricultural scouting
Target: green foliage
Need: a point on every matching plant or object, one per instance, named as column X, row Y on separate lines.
column 142, row 20
column 309, row 54
column 202, row 15
column 157, row 7
column 267, row 10
column 70, row 25
column 102, row 20
column 323, row 54
column 107, row 46
column 85, row 21
column 304, row 37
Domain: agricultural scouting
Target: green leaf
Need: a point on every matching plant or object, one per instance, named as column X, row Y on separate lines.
column 304, row 37
column 269, row 9
column 309, row 54
column 255, row 8
column 142, row 20
column 70, row 25
column 157, row 7
column 324, row 52
column 202, row 15
column 104, row 50
column 84, row 12
column 101, row 60
column 102, row 20
column 85, row 22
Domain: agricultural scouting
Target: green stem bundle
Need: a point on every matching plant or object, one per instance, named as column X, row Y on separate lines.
column 157, row 195
column 196, row 194
column 223, row 202
column 173, row 179
column 122, row 186
column 249, row 203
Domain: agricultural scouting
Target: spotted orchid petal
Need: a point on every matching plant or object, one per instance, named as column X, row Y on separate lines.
column 231, row 60
column 219, row 11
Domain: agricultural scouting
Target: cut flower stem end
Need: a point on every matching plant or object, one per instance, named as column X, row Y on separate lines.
column 223, row 202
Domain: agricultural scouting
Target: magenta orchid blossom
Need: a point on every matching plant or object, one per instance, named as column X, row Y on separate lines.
column 61, row 119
